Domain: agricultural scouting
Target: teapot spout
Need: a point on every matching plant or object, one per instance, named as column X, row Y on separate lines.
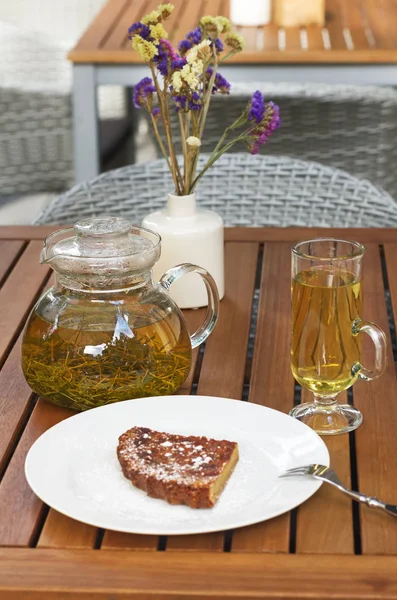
column 43, row 256
column 46, row 255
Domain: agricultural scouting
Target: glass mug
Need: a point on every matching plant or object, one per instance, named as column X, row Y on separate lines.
column 326, row 343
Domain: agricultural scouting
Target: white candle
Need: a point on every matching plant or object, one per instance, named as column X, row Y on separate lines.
column 250, row 12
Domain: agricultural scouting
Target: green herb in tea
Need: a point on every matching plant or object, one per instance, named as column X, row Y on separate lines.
column 82, row 364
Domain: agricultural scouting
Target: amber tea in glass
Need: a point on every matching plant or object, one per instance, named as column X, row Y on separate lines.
column 326, row 348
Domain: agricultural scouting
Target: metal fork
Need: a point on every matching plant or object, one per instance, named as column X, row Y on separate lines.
column 326, row 474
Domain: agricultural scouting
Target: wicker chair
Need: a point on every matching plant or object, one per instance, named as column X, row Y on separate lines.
column 245, row 190
column 348, row 127
column 36, row 151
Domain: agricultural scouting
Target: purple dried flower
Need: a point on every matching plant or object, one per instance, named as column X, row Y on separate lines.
column 166, row 47
column 180, row 102
column 261, row 132
column 139, row 29
column 194, row 36
column 162, row 65
column 178, row 64
column 143, row 91
column 156, row 113
column 195, row 101
column 221, row 85
column 257, row 109
column 166, row 54
column 184, row 46
column 218, row 45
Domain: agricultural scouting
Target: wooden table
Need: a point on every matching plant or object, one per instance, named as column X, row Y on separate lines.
column 325, row 549
column 357, row 45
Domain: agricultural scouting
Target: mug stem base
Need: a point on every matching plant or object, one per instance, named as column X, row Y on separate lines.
column 328, row 419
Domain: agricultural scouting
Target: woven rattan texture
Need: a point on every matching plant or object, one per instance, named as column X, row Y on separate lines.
column 245, row 190
column 349, row 127
column 35, row 142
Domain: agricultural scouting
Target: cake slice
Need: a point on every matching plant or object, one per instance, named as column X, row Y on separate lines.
column 180, row 469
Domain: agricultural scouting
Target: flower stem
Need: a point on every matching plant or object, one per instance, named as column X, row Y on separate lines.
column 185, row 153
column 164, row 116
column 169, row 133
column 160, row 141
column 203, row 116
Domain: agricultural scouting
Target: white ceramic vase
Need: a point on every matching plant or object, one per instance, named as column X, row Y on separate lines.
column 189, row 234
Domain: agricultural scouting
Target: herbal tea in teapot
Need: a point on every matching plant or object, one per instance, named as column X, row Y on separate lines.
column 106, row 332
column 79, row 365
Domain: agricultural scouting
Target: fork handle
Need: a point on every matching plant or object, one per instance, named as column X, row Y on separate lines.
column 372, row 502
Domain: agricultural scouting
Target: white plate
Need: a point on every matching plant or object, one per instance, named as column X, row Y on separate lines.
column 73, row 467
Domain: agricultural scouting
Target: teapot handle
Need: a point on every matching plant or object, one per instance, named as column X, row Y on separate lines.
column 213, row 298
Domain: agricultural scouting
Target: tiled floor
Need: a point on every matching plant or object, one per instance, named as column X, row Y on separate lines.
column 24, row 209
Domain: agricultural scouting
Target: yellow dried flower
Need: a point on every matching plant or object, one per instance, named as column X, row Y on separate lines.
column 190, row 74
column 157, row 32
column 198, row 51
column 210, row 26
column 146, row 50
column 223, row 24
column 177, row 82
column 152, row 18
column 165, row 10
column 235, row 41
column 194, row 141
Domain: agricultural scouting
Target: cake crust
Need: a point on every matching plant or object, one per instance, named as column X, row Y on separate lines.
column 189, row 470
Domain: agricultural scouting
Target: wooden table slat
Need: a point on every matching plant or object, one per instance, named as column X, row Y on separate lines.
column 335, row 25
column 355, row 20
column 223, row 368
column 82, row 575
column 270, row 38
column 390, row 251
column 234, row 234
column 116, row 540
column 60, row 531
column 376, row 440
column 378, row 16
column 319, row 520
column 20, row 292
column 20, row 509
column 118, row 38
column 102, row 26
column 187, row 20
column 9, row 252
column 271, row 381
column 293, row 39
column 172, row 23
column 315, row 39
column 15, row 398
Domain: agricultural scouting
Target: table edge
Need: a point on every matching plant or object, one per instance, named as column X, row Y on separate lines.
column 182, row 575
column 236, row 234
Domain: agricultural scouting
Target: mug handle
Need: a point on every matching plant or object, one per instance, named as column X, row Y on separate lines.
column 378, row 337
column 213, row 298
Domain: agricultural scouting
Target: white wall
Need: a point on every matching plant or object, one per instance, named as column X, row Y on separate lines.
column 64, row 20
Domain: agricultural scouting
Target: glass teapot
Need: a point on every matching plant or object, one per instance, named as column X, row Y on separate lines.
column 106, row 332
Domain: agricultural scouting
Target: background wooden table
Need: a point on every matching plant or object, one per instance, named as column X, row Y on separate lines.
column 327, row 548
column 357, row 45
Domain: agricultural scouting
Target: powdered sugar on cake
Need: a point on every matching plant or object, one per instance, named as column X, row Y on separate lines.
column 173, row 458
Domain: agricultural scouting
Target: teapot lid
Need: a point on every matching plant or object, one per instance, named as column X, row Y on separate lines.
column 101, row 246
